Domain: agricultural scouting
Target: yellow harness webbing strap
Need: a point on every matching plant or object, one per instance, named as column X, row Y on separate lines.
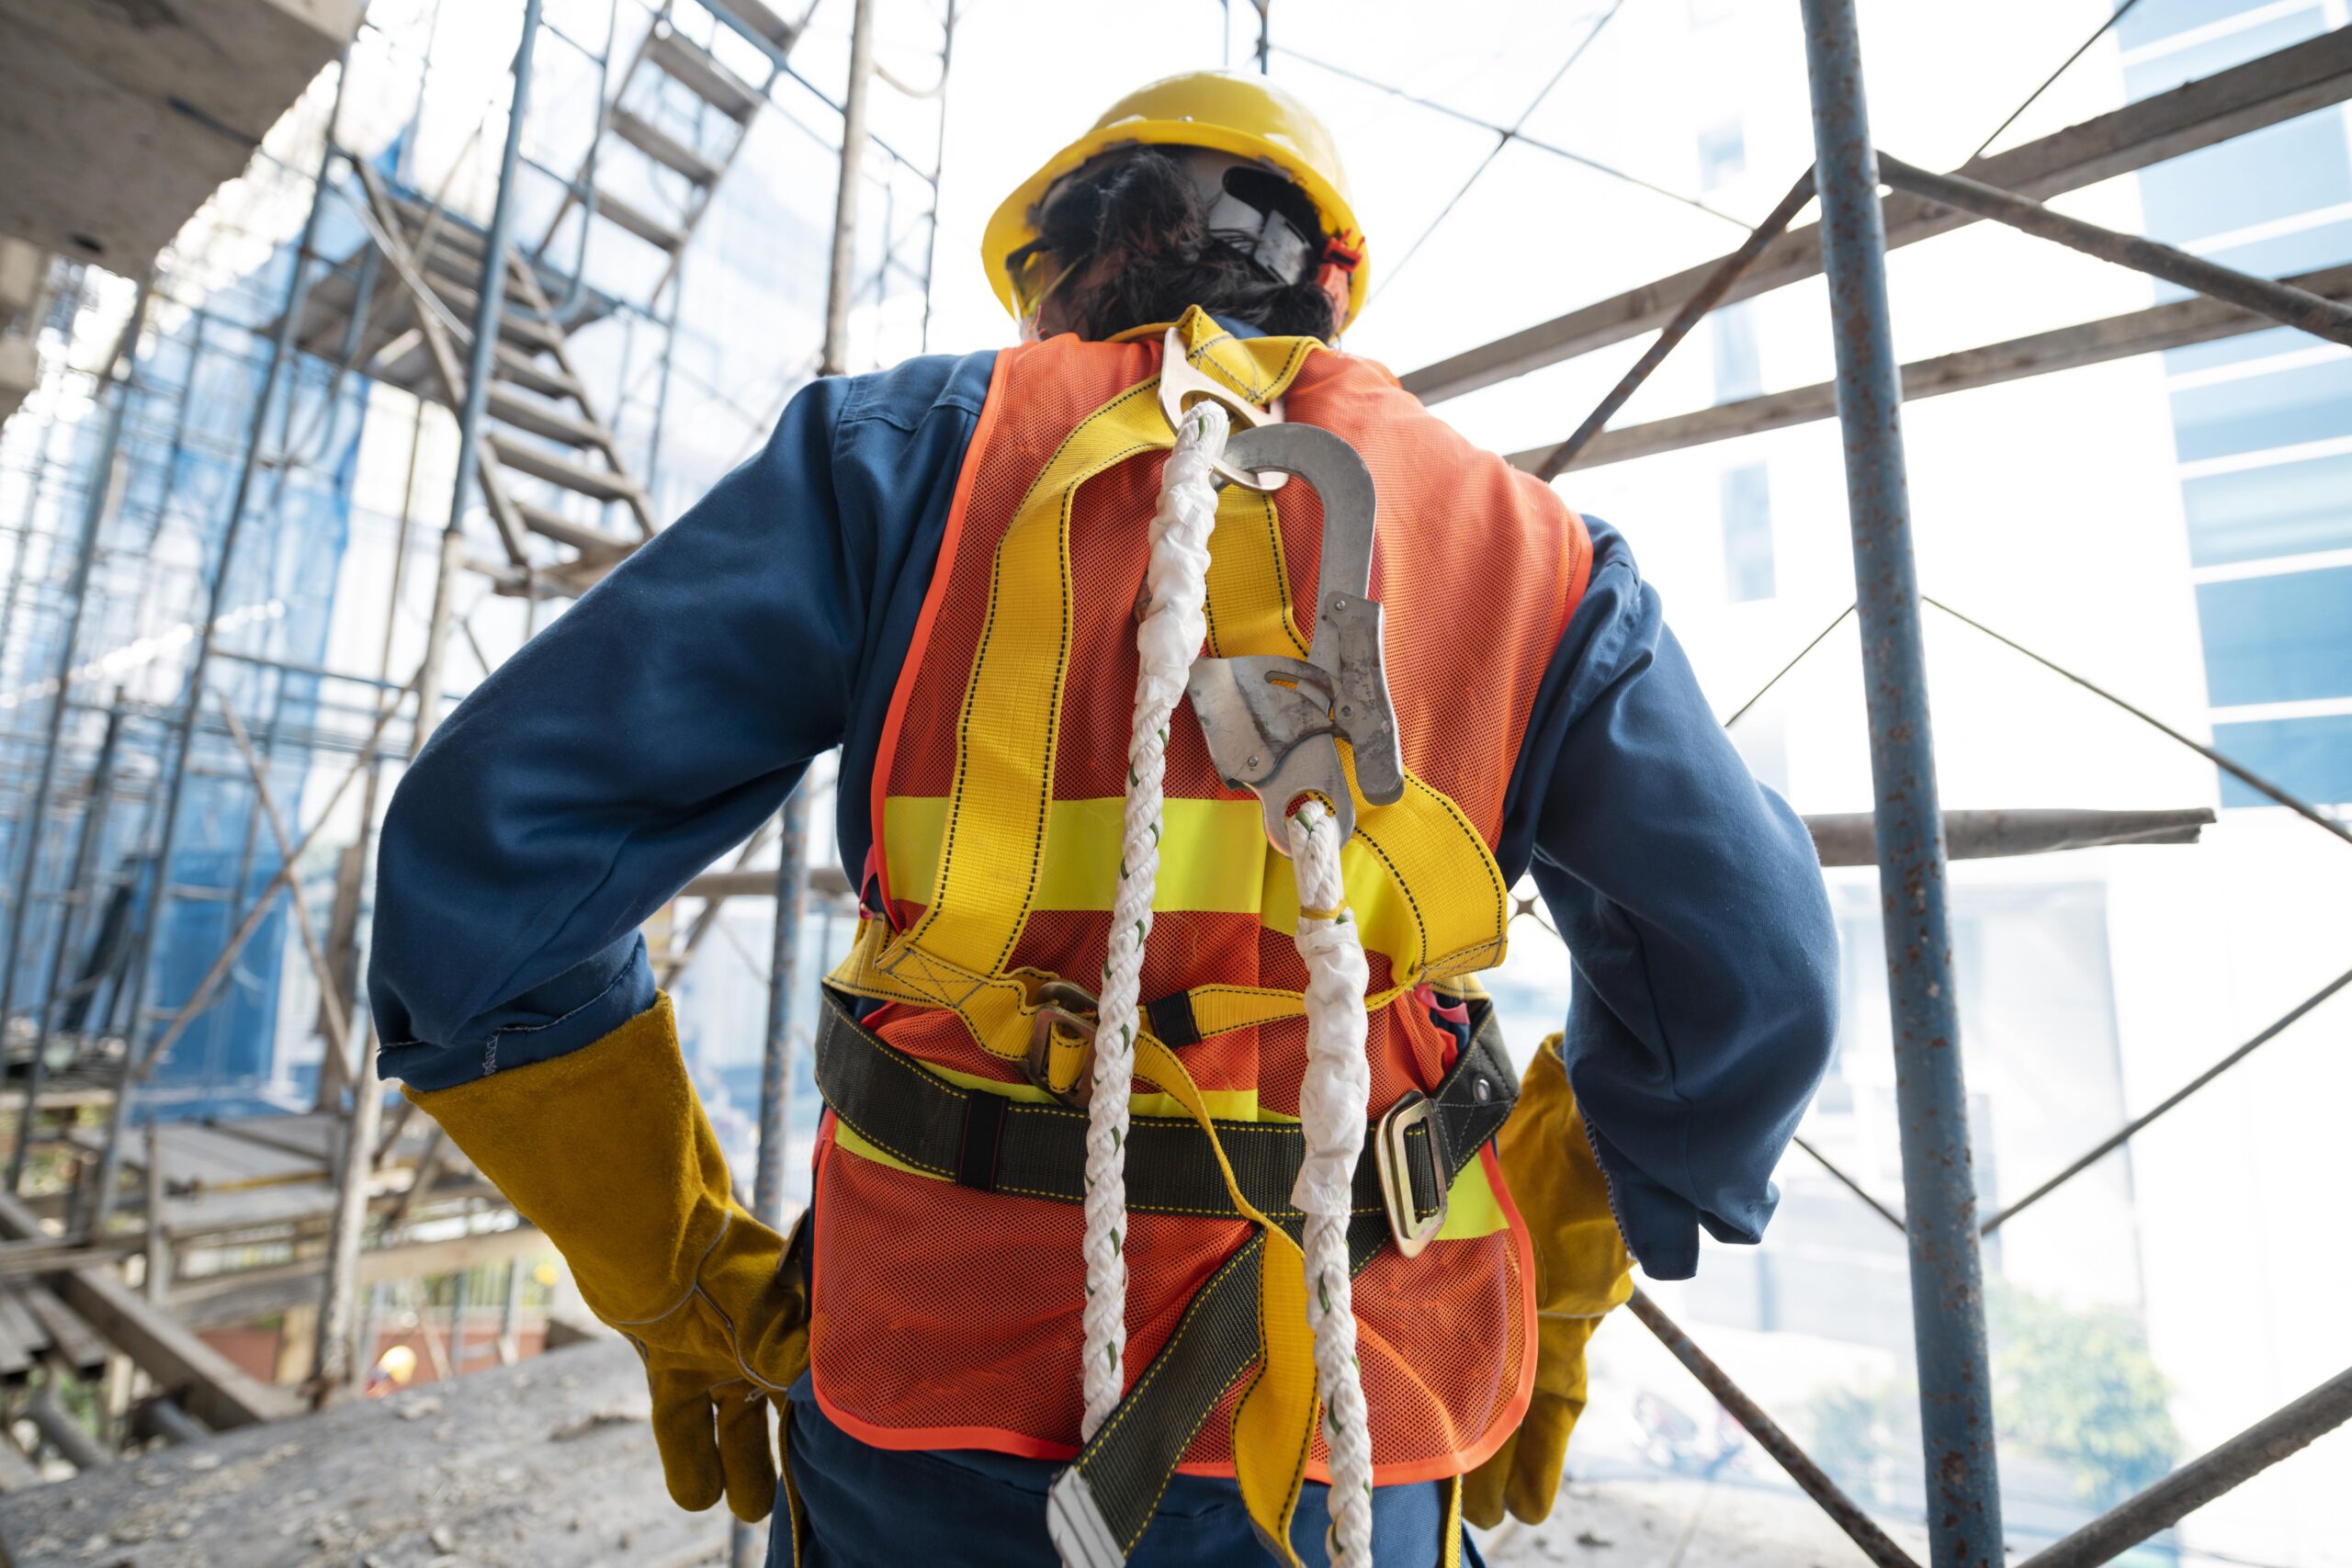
column 1274, row 1426
column 1449, row 1533
column 1001, row 1004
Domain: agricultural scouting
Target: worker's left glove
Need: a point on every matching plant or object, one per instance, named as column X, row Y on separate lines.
column 607, row 1150
column 1582, row 1269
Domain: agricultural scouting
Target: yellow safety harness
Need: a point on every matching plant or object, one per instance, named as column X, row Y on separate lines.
column 1419, row 878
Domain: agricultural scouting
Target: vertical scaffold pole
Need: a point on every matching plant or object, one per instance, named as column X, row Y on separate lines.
column 784, row 983
column 1931, row 1091
column 32, row 829
column 182, row 742
column 841, row 287
column 482, row 363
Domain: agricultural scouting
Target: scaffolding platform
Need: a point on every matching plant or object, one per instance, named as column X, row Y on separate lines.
column 548, row 1464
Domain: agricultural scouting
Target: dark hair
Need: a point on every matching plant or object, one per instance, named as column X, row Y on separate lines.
column 1140, row 211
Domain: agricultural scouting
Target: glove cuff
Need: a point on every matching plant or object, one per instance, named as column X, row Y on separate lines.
column 606, row 1149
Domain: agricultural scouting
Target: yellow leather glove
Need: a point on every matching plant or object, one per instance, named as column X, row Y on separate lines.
column 1582, row 1269
column 607, row 1150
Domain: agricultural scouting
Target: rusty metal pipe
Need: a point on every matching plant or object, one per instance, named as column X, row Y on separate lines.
column 1843, row 1511
column 2301, row 307
column 1708, row 296
column 2194, row 1485
column 1962, row 1482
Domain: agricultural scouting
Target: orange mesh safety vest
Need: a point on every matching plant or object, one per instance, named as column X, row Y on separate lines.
column 948, row 1317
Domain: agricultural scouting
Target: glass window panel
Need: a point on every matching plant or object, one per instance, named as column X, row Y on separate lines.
column 2308, row 757
column 2236, row 350
column 1748, row 534
column 1723, row 154
column 1739, row 367
column 2278, row 639
column 2256, row 178
column 2169, row 71
column 2152, row 20
column 2310, row 403
column 2285, row 510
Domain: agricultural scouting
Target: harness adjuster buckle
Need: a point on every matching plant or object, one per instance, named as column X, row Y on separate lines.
column 1066, row 1013
column 1391, row 1154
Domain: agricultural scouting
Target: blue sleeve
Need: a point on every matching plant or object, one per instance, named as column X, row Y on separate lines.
column 1704, row 1000
column 653, row 726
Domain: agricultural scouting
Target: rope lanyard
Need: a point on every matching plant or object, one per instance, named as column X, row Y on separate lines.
column 1335, row 1095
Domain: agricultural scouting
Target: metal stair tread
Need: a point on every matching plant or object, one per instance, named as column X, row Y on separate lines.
column 453, row 231
column 564, row 530
column 661, row 146
column 531, row 376
column 756, row 22
column 600, row 484
column 638, row 222
column 510, row 407
column 701, row 74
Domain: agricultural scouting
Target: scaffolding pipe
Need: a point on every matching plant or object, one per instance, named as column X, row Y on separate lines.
column 333, row 1373
column 1843, row 1511
column 1931, row 1092
column 81, row 875
column 110, row 1161
column 52, row 1420
column 2252, row 1451
column 2282, row 302
column 1708, row 295
column 35, row 819
column 845, row 260
column 482, row 363
column 784, row 977
column 2132, row 1128
column 281, row 350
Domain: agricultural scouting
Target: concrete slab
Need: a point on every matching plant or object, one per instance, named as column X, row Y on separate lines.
column 120, row 117
column 547, row 1464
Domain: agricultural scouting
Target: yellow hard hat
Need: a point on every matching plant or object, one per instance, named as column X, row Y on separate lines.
column 398, row 1364
column 1248, row 116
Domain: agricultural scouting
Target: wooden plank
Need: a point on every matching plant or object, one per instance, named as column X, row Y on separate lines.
column 294, row 1203
column 21, row 1340
column 17, row 1472
column 2275, row 89
column 71, row 1339
column 243, row 1294
column 546, row 1464
column 244, row 1162
column 2174, row 325
column 211, row 1389
column 315, row 1135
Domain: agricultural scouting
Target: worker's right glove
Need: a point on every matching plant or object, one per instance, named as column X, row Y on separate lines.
column 606, row 1149
column 1582, row 1269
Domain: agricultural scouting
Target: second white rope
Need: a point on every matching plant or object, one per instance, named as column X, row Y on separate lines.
column 1333, row 1105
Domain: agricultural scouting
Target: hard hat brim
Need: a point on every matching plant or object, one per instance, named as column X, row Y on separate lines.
column 1013, row 225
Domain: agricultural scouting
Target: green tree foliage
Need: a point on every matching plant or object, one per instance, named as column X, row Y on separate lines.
column 2078, row 1387
column 2075, row 1387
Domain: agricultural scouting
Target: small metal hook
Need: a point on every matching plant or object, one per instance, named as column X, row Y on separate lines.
column 1179, row 378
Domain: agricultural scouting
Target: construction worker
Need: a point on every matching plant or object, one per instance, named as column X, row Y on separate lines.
column 1030, row 1315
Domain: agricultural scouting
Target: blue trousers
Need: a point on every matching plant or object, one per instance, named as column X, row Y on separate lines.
column 868, row 1507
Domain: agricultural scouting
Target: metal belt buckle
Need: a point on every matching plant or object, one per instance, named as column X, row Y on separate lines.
column 1062, row 1005
column 1389, row 1153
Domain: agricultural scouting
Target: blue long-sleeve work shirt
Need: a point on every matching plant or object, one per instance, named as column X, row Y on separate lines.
column 654, row 725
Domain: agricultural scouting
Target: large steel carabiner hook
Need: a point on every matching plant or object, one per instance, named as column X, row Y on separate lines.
column 1273, row 721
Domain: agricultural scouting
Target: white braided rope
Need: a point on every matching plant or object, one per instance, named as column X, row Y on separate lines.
column 1333, row 1103
column 1175, row 621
